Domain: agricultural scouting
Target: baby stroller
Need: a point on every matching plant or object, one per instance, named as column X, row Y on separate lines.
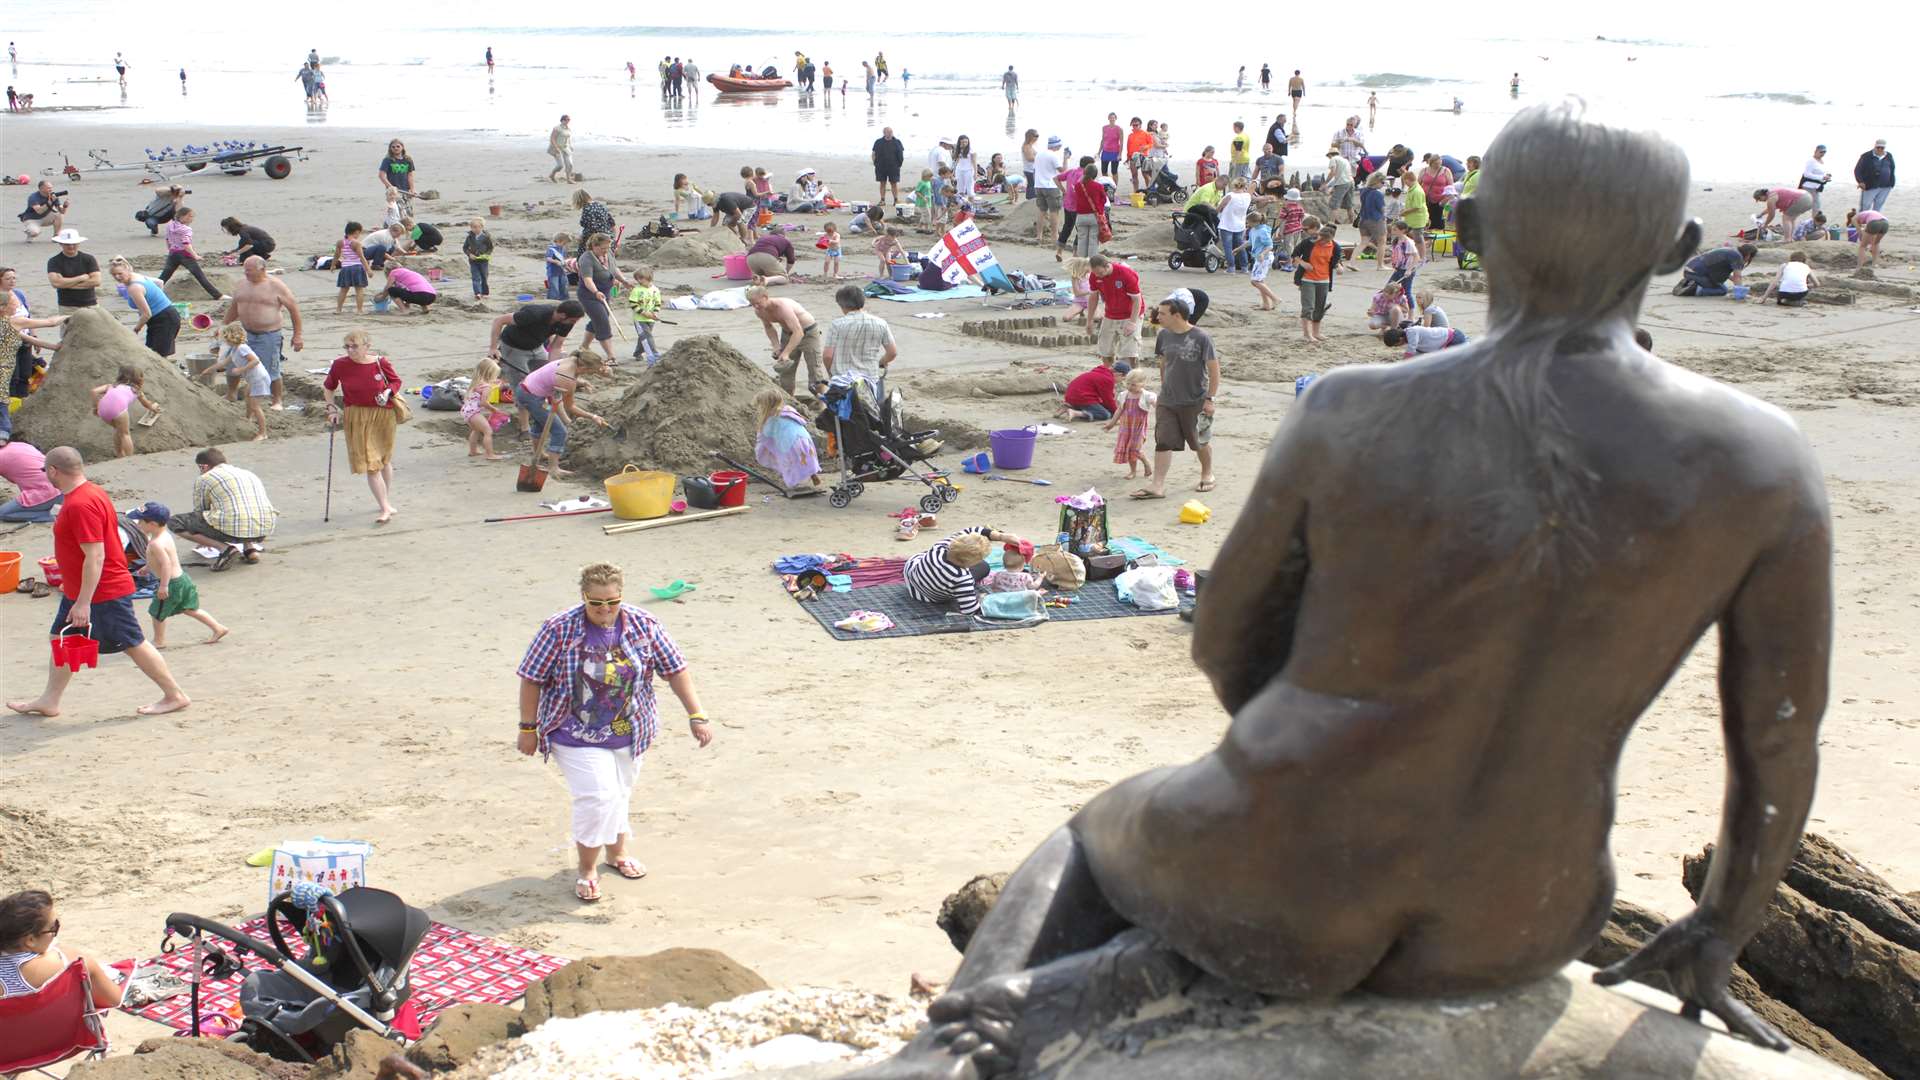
column 1196, row 240
column 875, row 446
column 1166, row 187
column 354, row 972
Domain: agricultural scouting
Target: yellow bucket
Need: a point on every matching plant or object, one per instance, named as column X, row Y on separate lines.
column 1442, row 243
column 1195, row 512
column 638, row 494
column 1139, row 201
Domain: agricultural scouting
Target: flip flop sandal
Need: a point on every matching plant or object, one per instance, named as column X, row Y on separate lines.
column 672, row 591
column 26, row 585
column 631, row 869
column 587, row 890
column 41, row 590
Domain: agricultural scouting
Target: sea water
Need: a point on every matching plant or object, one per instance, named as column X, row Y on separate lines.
column 1738, row 118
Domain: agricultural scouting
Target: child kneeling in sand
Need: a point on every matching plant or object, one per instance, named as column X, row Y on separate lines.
column 240, row 363
column 479, row 412
column 176, row 594
column 1795, row 281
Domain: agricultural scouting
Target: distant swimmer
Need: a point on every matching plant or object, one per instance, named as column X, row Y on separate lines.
column 1514, row 86
column 632, row 72
column 1240, row 80
column 1373, row 107
column 1266, row 78
column 120, row 68
column 183, row 80
column 1010, row 84
column 1296, row 89
column 880, row 66
column 489, row 59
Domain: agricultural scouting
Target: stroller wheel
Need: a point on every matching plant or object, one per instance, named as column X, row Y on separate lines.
column 839, row 498
column 1173, row 261
column 949, row 493
column 856, row 489
column 931, row 503
column 1213, row 263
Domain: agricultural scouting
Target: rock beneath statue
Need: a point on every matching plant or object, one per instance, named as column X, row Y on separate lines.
column 1831, row 967
column 961, row 913
column 1562, row 1027
column 1630, row 926
column 695, row 978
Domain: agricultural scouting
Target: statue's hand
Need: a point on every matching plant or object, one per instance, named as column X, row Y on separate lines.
column 1697, row 961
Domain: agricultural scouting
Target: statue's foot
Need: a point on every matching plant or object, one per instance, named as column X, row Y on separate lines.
column 970, row 1035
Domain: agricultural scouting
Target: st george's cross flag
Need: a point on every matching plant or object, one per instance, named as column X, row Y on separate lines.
column 964, row 251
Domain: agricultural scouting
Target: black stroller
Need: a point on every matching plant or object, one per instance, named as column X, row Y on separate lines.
column 1166, row 188
column 1196, row 240
column 354, row 973
column 874, row 445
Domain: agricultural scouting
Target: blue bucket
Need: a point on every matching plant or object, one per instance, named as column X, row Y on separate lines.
column 903, row 271
column 1012, row 448
column 1300, row 384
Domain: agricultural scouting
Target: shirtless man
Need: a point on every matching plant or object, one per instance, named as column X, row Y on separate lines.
column 794, row 337
column 1433, row 637
column 256, row 303
column 1296, row 89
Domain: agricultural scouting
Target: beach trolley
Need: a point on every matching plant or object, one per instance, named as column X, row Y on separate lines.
column 231, row 157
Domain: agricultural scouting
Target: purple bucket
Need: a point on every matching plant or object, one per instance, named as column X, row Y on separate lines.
column 1012, row 448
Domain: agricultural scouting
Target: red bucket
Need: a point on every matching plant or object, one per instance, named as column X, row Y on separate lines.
column 76, row 650
column 730, row 486
column 50, row 572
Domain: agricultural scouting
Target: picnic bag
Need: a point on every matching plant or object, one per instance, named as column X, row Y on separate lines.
column 1063, row 568
column 337, row 864
column 1106, row 567
column 1086, row 530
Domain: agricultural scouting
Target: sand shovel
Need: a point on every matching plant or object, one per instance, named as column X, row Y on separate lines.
column 532, row 476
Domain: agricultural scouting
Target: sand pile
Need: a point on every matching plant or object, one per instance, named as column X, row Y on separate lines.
column 95, row 347
column 1017, row 221
column 1155, row 239
column 697, row 399
column 703, row 250
column 181, row 285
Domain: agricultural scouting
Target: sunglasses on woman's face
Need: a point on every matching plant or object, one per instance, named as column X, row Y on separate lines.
column 52, row 931
column 592, row 603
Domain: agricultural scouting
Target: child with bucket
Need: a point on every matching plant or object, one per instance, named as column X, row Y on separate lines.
column 176, row 593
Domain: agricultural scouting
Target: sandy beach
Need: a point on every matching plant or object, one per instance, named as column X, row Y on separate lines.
column 367, row 690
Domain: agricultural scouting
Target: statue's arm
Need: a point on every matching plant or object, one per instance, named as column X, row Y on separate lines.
column 1775, row 645
column 1775, row 640
column 1243, row 625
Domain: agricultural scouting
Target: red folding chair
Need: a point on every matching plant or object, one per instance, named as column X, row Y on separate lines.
column 51, row 1024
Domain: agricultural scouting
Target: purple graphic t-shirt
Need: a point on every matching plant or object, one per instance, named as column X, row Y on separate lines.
column 603, row 707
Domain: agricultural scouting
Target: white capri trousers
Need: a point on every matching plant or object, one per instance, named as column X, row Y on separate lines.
column 601, row 781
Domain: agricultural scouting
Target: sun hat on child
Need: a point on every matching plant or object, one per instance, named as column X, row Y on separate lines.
column 1293, row 194
column 1053, row 142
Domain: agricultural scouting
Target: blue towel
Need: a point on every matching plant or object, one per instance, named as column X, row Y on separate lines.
column 794, row 564
column 1135, row 548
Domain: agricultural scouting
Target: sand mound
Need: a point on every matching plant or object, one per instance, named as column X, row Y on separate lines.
column 1154, row 239
column 95, row 346
column 697, row 399
column 1016, row 222
column 704, row 250
column 181, row 285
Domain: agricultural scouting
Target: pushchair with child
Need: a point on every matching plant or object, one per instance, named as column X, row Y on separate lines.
column 868, row 433
column 1166, row 187
column 353, row 974
column 1196, row 239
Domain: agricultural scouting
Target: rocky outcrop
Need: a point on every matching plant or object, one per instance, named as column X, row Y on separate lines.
column 463, row 1031
column 695, row 978
column 1829, row 965
column 960, row 913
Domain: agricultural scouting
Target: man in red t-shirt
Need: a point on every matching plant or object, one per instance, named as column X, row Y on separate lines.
column 98, row 590
column 1090, row 395
column 1119, row 287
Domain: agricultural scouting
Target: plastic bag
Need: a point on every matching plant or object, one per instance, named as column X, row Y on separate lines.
column 1149, row 588
column 1014, row 606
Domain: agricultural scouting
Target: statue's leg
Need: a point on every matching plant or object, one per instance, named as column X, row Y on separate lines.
column 1052, row 957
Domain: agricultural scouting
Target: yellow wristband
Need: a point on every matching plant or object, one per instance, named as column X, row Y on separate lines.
column 697, row 718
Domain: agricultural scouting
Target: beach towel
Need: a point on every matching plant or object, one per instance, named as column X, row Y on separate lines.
column 916, row 296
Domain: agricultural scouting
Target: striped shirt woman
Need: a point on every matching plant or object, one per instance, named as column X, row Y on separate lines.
column 949, row 573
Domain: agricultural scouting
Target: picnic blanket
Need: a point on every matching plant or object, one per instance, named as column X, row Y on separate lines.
column 1094, row 600
column 451, row 966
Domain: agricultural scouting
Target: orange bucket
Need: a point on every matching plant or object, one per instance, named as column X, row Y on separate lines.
column 9, row 571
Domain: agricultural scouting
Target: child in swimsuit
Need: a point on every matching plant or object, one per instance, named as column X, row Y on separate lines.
column 111, row 402
column 832, row 266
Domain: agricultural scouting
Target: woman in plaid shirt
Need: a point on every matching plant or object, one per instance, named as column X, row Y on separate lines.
column 586, row 697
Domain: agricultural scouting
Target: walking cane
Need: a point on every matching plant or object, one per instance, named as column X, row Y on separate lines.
column 327, row 513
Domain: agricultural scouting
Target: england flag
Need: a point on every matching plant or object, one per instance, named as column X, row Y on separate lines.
column 963, row 251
